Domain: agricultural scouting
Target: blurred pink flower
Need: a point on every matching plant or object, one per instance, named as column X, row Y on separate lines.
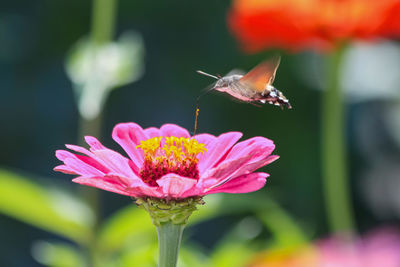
column 378, row 249
column 169, row 163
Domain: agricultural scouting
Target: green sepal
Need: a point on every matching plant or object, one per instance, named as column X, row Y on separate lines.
column 175, row 211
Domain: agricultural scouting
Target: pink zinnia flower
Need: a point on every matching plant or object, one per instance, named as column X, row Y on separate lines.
column 169, row 163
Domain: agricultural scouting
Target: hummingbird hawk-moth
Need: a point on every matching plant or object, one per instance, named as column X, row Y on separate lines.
column 253, row 87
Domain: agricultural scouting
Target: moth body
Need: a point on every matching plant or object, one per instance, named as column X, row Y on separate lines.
column 253, row 87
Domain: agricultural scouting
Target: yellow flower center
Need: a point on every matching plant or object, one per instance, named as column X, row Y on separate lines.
column 175, row 155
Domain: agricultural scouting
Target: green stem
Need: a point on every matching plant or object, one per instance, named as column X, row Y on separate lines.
column 102, row 32
column 103, row 20
column 90, row 127
column 334, row 167
column 169, row 239
column 93, row 128
column 103, row 24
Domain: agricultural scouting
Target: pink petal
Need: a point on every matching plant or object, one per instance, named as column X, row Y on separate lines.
column 81, row 168
column 250, row 146
column 174, row 130
column 63, row 154
column 226, row 168
column 243, row 169
column 116, row 163
column 94, row 143
column 152, row 132
column 128, row 136
column 228, row 171
column 200, row 188
column 205, row 139
column 101, row 183
column 175, row 186
column 140, row 191
column 64, row 169
column 117, row 178
column 132, row 187
column 91, row 159
column 80, row 150
column 74, row 162
column 217, row 150
column 243, row 184
column 253, row 166
column 126, row 182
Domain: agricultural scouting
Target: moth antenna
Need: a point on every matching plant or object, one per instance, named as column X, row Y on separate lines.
column 206, row 74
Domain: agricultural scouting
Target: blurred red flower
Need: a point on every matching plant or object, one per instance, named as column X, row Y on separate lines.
column 318, row 24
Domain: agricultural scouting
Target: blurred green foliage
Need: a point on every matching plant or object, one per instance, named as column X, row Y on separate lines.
column 36, row 205
column 128, row 236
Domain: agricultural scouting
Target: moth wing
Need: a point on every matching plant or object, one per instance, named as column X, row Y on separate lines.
column 262, row 75
column 236, row 72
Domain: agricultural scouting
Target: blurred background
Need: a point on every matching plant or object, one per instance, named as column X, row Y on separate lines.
column 69, row 68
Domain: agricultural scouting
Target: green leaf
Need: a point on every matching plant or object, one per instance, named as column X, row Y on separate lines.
column 144, row 255
column 231, row 254
column 128, row 223
column 46, row 208
column 285, row 230
column 238, row 245
column 57, row 254
column 190, row 256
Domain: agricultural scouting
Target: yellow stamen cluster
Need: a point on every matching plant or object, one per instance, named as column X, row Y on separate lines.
column 178, row 149
column 150, row 146
column 175, row 155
